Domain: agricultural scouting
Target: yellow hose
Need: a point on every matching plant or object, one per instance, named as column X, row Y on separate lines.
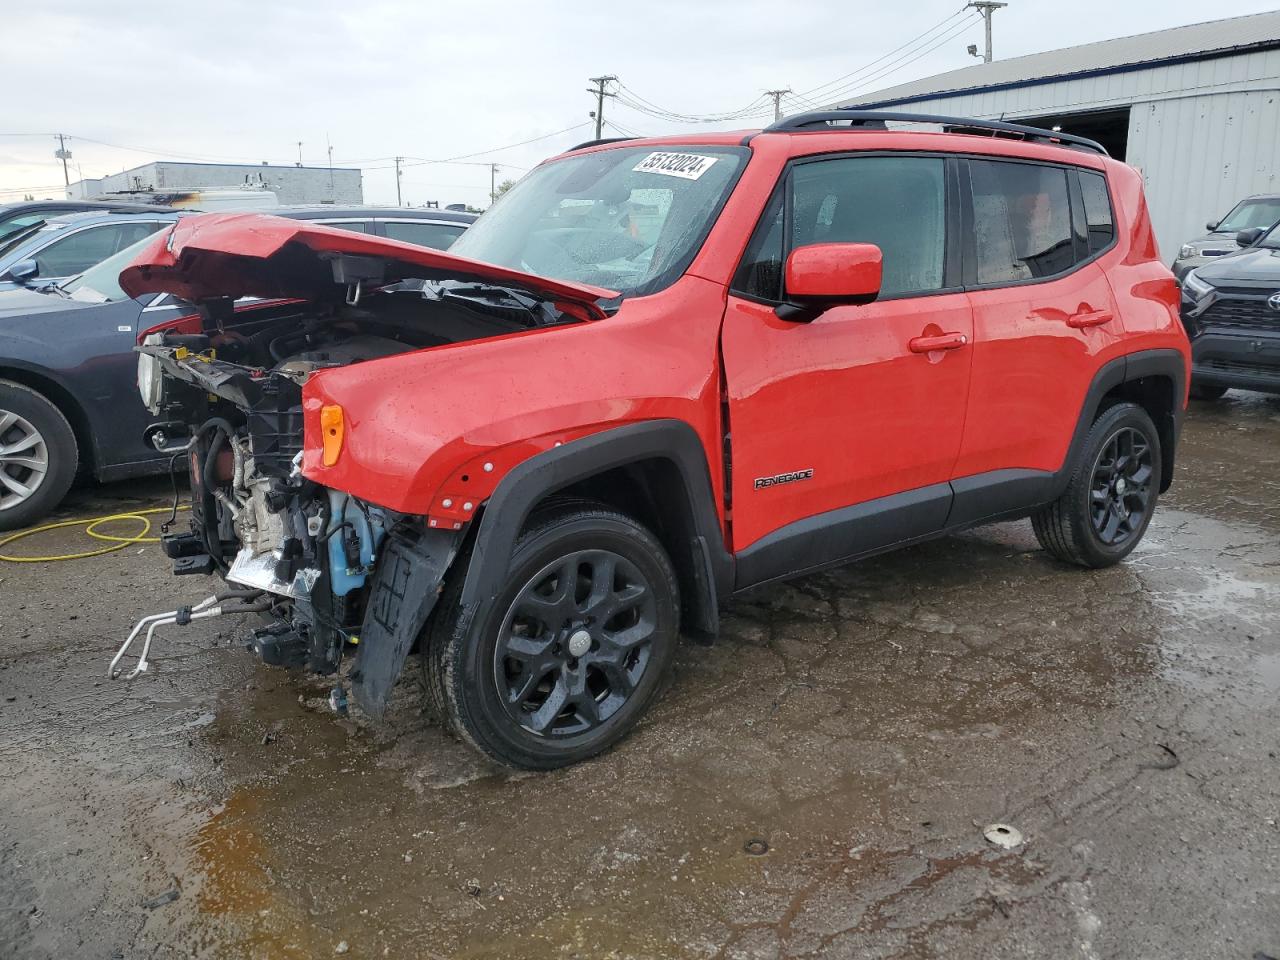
column 90, row 527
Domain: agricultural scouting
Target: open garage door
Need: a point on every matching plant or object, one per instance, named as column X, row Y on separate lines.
column 1109, row 127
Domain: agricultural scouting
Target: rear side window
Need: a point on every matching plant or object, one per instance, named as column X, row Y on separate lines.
column 1021, row 221
column 1097, row 211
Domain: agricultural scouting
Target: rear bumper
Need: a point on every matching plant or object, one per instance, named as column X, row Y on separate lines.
column 1247, row 360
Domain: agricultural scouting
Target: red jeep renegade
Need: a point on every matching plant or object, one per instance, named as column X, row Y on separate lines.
column 655, row 374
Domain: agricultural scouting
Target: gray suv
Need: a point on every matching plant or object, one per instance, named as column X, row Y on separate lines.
column 1252, row 213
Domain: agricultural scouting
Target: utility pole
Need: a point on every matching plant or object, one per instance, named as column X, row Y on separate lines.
column 777, row 102
column 398, row 203
column 986, row 8
column 493, row 183
column 63, row 154
column 600, row 92
column 299, row 153
column 329, row 147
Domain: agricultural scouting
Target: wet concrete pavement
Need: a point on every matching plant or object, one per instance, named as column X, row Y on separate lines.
column 865, row 724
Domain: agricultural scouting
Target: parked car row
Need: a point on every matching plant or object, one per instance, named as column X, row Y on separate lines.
column 1230, row 282
column 68, row 395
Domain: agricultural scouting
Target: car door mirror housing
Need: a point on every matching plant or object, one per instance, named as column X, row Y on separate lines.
column 1247, row 238
column 22, row 271
column 823, row 275
column 1211, row 226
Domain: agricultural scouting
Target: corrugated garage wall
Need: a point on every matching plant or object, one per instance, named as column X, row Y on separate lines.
column 1203, row 132
column 1200, row 154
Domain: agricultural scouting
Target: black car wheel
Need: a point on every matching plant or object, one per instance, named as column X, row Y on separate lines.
column 1206, row 391
column 572, row 652
column 1109, row 500
column 38, row 456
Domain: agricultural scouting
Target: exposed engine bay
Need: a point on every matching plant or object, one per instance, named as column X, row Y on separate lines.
column 232, row 381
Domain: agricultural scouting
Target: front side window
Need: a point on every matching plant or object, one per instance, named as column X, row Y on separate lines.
column 897, row 203
column 439, row 236
column 1021, row 221
column 629, row 219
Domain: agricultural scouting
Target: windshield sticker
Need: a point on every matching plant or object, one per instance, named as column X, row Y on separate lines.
column 686, row 166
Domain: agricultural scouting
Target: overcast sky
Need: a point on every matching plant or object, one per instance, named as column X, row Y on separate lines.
column 233, row 80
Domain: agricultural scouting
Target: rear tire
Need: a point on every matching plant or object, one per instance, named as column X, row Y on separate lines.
column 574, row 649
column 1108, row 503
column 1207, row 392
column 38, row 456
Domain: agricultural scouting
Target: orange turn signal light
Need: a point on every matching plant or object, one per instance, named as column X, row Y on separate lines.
column 332, row 431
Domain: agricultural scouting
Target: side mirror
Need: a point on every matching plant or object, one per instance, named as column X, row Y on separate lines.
column 1211, row 226
column 22, row 271
column 1247, row 238
column 824, row 275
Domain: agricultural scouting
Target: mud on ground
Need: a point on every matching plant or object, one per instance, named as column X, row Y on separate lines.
column 865, row 724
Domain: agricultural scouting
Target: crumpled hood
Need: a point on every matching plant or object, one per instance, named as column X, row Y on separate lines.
column 256, row 255
column 1253, row 264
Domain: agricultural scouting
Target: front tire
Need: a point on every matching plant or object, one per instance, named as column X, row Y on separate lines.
column 1112, row 493
column 38, row 456
column 574, row 649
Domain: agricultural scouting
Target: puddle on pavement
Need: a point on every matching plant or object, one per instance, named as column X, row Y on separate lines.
column 859, row 704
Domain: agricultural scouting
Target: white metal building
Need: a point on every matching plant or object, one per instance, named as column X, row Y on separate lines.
column 1196, row 109
column 291, row 184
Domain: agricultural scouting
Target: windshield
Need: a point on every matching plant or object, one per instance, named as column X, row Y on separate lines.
column 1250, row 213
column 101, row 284
column 630, row 219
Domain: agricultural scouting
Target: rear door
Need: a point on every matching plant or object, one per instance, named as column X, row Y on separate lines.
column 1044, row 322
column 843, row 432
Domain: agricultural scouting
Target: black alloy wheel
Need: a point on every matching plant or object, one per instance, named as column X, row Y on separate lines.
column 575, row 643
column 570, row 653
column 1120, row 498
column 1111, row 494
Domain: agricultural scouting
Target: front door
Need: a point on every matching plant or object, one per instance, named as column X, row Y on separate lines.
column 844, row 431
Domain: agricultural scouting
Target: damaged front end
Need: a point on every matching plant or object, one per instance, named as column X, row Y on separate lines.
column 330, row 571
column 341, row 571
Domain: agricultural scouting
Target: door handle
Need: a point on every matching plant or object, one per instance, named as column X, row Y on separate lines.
column 1089, row 318
column 943, row 341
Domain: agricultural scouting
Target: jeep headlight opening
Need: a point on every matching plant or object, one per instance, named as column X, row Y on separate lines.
column 1186, row 252
column 151, row 377
column 1194, row 288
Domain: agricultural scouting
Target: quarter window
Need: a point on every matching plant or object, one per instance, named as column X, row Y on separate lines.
column 1021, row 221
column 1097, row 211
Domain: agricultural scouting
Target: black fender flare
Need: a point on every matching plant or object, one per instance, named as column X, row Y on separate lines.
column 695, row 519
column 1130, row 368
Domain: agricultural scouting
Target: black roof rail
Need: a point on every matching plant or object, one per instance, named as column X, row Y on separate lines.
column 602, row 140
column 875, row 120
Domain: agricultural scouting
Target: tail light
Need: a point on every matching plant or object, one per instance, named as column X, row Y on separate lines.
column 332, row 430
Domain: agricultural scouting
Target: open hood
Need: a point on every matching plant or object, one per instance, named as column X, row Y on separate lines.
column 256, row 255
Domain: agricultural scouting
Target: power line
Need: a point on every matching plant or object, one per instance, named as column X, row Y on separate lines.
column 809, row 94
column 906, row 60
